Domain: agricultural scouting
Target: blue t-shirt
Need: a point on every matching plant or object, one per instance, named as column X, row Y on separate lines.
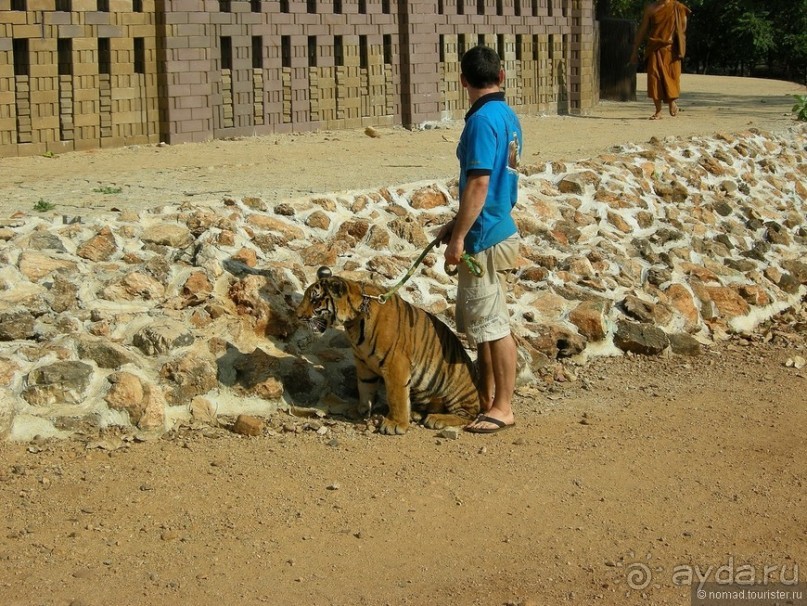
column 490, row 144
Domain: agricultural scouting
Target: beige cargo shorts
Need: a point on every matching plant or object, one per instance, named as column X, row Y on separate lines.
column 482, row 312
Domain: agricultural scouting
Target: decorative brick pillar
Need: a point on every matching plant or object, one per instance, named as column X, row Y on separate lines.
column 584, row 76
column 186, row 65
column 420, row 80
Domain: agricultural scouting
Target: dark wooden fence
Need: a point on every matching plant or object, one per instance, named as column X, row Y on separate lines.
column 617, row 76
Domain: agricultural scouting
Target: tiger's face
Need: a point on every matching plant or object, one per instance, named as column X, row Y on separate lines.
column 323, row 303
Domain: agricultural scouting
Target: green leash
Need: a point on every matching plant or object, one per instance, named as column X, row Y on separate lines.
column 473, row 267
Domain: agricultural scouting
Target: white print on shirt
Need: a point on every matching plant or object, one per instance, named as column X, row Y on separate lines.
column 512, row 154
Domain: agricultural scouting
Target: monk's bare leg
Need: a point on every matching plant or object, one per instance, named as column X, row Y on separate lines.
column 673, row 108
column 657, row 115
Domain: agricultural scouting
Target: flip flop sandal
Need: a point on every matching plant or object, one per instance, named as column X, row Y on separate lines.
column 499, row 425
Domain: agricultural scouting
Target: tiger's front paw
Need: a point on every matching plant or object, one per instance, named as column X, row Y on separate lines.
column 391, row 427
column 441, row 421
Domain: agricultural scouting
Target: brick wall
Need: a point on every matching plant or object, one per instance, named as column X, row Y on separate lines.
column 78, row 77
column 79, row 74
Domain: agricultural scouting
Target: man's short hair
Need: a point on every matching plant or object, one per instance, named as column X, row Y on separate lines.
column 481, row 66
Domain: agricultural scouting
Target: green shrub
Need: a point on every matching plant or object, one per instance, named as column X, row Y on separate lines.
column 106, row 189
column 43, row 206
column 800, row 108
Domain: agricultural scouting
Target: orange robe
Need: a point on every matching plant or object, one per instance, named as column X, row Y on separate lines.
column 663, row 68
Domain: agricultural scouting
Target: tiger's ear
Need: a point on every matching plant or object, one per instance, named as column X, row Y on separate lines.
column 324, row 272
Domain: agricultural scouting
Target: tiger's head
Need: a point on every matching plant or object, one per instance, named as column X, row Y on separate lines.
column 329, row 300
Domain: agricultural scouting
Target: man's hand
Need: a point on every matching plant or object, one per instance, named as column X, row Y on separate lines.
column 454, row 250
column 444, row 235
column 456, row 245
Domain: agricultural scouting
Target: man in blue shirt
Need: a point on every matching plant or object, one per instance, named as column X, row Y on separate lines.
column 488, row 152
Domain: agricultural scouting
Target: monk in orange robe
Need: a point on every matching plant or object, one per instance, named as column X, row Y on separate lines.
column 665, row 36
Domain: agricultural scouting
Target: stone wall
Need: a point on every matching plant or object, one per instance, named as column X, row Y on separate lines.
column 185, row 314
column 79, row 74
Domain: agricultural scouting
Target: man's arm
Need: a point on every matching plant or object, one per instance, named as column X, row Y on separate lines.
column 473, row 200
column 640, row 35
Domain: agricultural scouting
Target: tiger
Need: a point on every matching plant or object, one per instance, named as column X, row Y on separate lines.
column 423, row 364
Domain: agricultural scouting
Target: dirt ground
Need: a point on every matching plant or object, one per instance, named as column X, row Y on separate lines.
column 624, row 486
column 280, row 167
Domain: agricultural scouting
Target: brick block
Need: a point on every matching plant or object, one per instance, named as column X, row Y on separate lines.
column 8, row 123
column 60, row 147
column 47, row 122
column 8, row 146
column 27, row 31
column 110, row 31
column 42, row 97
column 81, row 121
column 93, row 17
column 190, row 126
column 42, row 73
column 7, row 98
column 30, row 148
column 14, row 18
column 86, row 140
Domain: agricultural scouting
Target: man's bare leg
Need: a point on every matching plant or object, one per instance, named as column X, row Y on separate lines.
column 487, row 382
column 500, row 362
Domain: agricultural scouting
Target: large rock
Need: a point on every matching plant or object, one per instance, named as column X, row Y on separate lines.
column 798, row 269
column 681, row 300
column 127, row 393
column 63, row 293
column 16, row 325
column 410, row 230
column 188, row 376
column 684, row 344
column 143, row 402
column 256, row 373
column 162, row 336
column 100, row 247
column 43, row 240
column 134, row 285
column 577, row 183
column 639, row 338
column 556, row 341
column 589, row 317
column 287, row 230
column 428, row 198
column 168, row 234
column 729, row 302
column 105, row 354
column 35, row 265
column 270, row 314
column 58, row 383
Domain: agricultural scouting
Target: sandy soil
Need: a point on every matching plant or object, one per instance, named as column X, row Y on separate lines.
column 289, row 166
column 621, row 487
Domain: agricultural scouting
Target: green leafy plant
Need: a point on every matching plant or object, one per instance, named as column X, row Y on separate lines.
column 48, row 154
column 43, row 206
column 800, row 108
column 106, row 189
